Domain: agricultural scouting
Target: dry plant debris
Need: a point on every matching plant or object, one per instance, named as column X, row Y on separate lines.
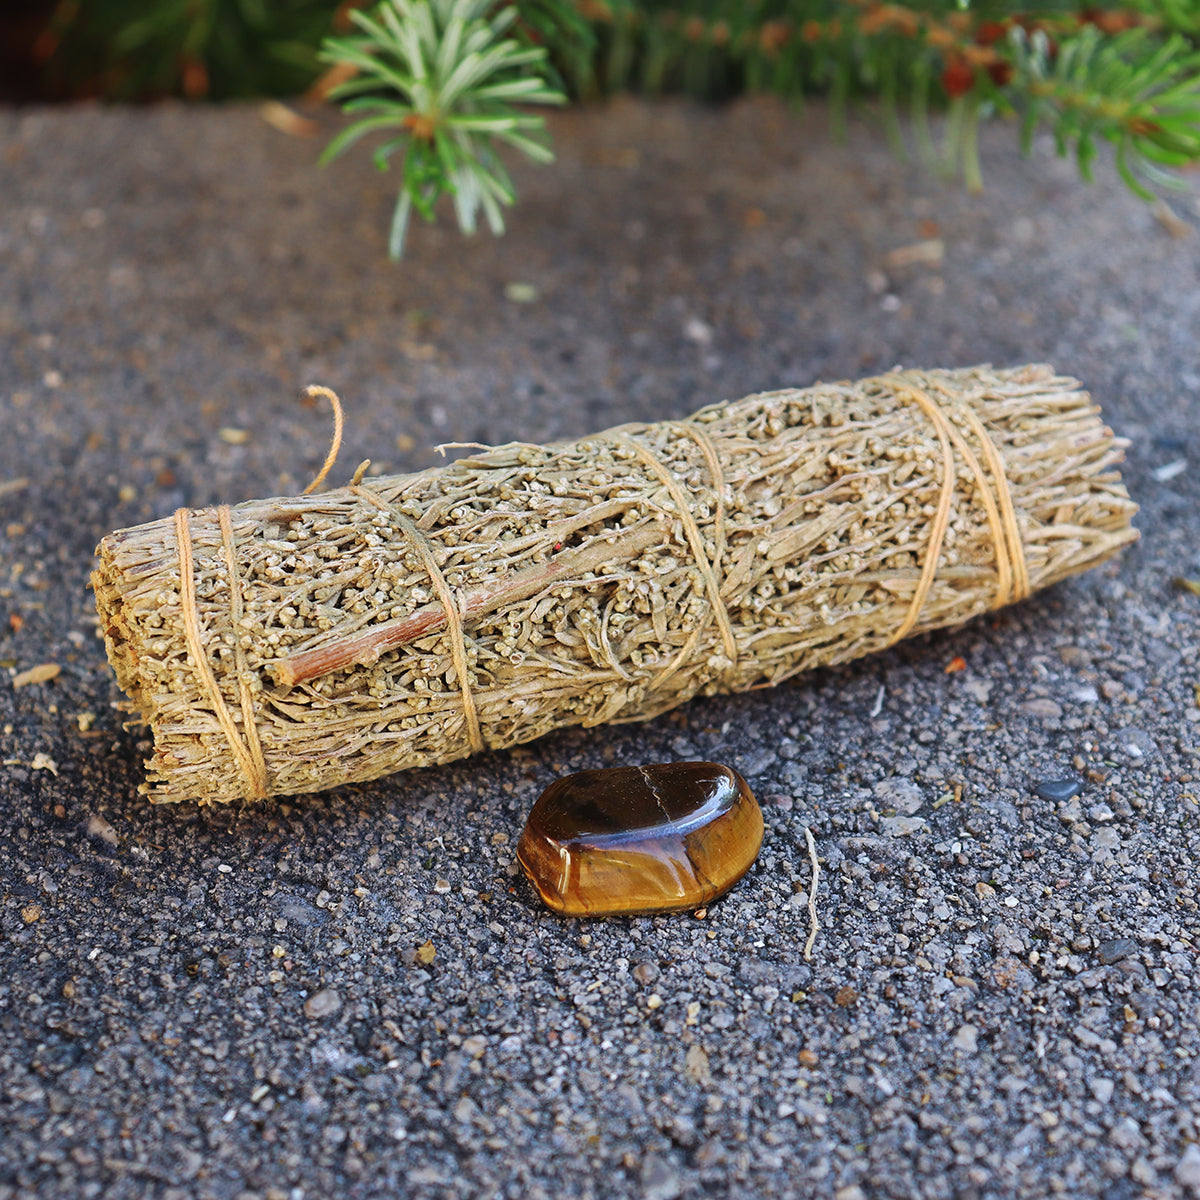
column 42, row 673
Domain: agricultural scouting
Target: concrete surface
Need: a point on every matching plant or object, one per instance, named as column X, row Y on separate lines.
column 1003, row 999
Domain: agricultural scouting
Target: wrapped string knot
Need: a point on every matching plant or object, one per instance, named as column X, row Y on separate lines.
column 1012, row 576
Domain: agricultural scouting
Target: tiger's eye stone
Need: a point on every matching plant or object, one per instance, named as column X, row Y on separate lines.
column 640, row 839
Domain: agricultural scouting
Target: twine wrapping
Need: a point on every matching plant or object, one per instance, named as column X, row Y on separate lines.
column 288, row 645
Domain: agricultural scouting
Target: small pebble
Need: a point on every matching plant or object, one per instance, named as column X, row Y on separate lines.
column 475, row 1045
column 1135, row 744
column 1127, row 1134
column 758, row 761
column 645, row 972
column 696, row 1066
column 1071, row 811
column 97, row 826
column 904, row 795
column 322, row 1004
column 660, row 1178
column 521, row 293
column 1115, row 949
column 1058, row 789
column 1187, row 1169
column 902, row 826
column 967, row 1039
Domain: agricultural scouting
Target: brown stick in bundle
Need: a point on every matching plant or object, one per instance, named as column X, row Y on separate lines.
column 290, row 645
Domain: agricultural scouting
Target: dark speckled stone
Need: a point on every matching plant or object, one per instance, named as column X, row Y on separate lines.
column 1058, row 789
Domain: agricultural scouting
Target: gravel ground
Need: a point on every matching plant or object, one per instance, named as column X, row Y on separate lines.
column 355, row 994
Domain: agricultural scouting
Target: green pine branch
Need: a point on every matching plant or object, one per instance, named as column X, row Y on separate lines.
column 443, row 79
column 1126, row 75
column 1138, row 92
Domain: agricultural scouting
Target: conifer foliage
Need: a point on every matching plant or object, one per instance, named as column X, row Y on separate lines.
column 1128, row 75
column 443, row 78
column 449, row 84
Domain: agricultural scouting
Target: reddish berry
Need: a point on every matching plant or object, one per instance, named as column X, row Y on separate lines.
column 957, row 78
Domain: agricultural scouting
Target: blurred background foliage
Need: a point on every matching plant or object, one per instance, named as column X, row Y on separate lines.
column 1127, row 74
column 715, row 49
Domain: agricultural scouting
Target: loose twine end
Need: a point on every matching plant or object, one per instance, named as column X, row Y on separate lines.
column 312, row 392
column 244, row 742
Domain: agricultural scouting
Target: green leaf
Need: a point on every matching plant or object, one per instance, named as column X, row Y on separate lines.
column 531, row 91
column 370, row 65
column 384, row 152
column 399, row 230
column 503, row 19
column 534, row 150
column 377, row 36
column 447, row 53
column 472, row 69
column 468, row 68
column 1121, row 160
column 498, row 124
column 493, row 212
column 1085, row 154
column 378, row 104
column 344, row 140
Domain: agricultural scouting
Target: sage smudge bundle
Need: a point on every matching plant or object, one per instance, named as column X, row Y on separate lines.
column 295, row 644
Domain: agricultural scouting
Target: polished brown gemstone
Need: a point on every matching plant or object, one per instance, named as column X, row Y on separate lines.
column 641, row 839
